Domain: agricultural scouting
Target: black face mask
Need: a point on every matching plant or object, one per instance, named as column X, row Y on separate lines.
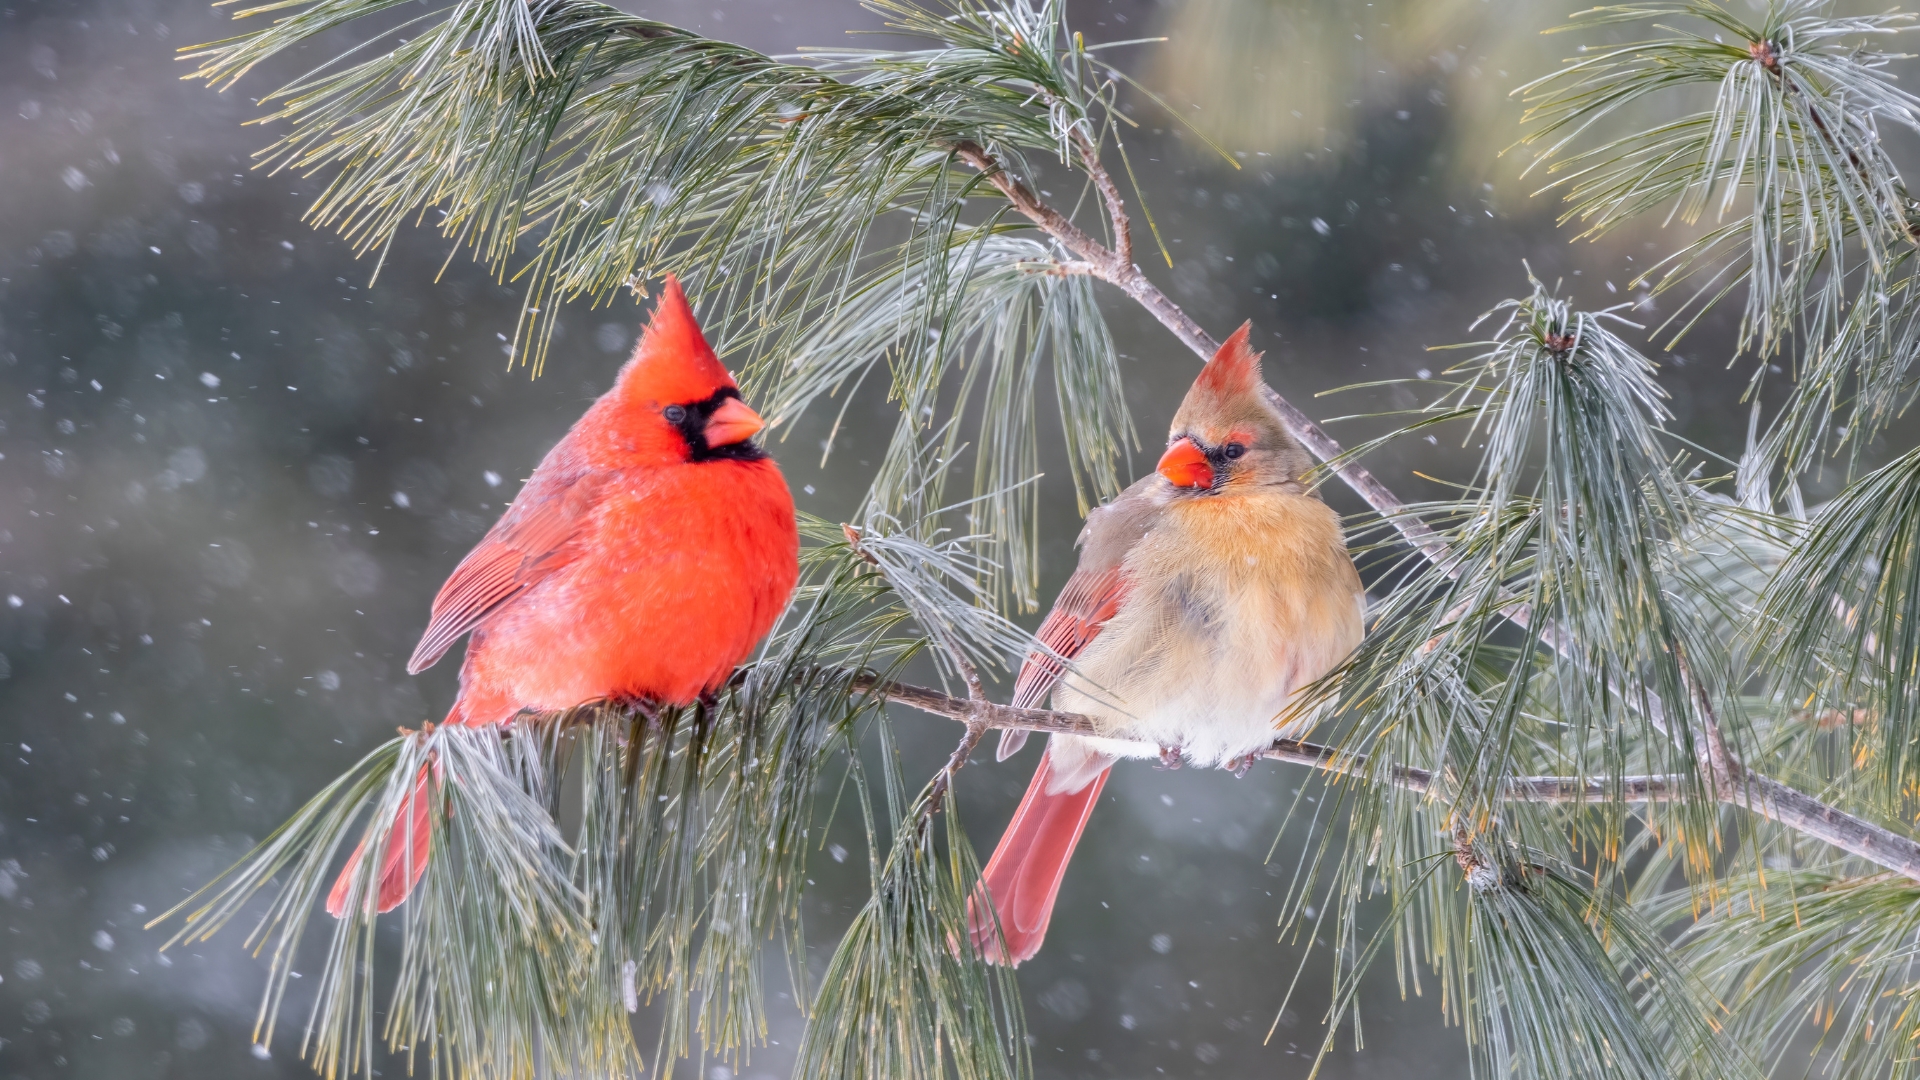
column 692, row 424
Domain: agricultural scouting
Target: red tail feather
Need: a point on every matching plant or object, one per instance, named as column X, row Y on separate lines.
column 1023, row 877
column 404, row 860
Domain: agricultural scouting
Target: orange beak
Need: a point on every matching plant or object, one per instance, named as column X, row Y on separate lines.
column 1185, row 466
column 732, row 422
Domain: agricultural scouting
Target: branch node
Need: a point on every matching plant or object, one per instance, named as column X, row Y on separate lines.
column 853, row 541
column 1482, row 875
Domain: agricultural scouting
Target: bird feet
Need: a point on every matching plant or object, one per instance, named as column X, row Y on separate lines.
column 1241, row 764
column 1169, row 757
column 628, row 708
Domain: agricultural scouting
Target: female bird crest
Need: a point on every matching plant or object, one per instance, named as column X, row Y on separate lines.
column 1234, row 370
column 1225, row 437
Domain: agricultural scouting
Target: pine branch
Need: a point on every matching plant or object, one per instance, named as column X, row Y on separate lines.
column 1762, row 795
column 1109, row 194
column 976, row 727
column 942, row 783
column 1828, row 983
column 1548, row 789
column 1812, row 216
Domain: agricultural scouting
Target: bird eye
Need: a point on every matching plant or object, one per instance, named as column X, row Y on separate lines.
column 675, row 414
column 1234, row 450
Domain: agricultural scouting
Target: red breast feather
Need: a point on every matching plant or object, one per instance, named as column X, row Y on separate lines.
column 680, row 570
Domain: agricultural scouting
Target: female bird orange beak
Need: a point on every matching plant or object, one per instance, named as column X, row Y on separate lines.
column 1184, row 465
column 732, row 422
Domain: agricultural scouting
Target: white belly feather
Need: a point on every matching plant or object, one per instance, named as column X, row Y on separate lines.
column 1207, row 656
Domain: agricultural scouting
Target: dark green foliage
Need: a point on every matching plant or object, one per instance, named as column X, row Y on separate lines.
column 1847, row 609
column 1571, row 529
column 1560, row 639
column 1622, row 1007
column 1816, row 964
column 1800, row 200
column 907, row 994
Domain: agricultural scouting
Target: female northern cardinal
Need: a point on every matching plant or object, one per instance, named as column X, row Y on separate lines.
column 1206, row 595
column 644, row 558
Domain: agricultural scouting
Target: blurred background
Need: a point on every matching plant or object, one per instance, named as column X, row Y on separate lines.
column 232, row 475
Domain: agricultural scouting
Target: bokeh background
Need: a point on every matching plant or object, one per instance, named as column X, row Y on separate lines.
column 233, row 473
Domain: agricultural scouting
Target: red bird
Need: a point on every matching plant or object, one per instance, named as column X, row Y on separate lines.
column 644, row 558
column 1207, row 594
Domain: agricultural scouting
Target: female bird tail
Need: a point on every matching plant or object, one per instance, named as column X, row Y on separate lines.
column 403, row 859
column 1023, row 878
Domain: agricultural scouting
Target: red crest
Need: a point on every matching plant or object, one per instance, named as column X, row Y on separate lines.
column 1235, row 369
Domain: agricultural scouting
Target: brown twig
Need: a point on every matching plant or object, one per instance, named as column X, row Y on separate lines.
column 975, row 718
column 1759, row 794
column 1109, row 194
column 1546, row 789
column 943, row 780
column 1481, row 874
column 1720, row 768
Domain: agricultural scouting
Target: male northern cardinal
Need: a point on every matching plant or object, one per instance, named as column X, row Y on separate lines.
column 644, row 558
column 1207, row 594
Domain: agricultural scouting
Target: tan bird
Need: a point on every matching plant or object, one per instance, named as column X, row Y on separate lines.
column 1208, row 594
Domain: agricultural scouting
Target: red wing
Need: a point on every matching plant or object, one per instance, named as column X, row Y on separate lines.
column 1078, row 616
column 525, row 545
